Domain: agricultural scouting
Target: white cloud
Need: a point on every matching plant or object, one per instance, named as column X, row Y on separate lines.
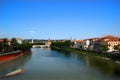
column 32, row 31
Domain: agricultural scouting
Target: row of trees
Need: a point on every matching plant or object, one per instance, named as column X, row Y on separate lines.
column 62, row 44
column 14, row 46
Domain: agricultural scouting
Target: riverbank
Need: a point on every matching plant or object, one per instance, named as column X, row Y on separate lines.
column 8, row 53
column 7, row 57
column 106, row 56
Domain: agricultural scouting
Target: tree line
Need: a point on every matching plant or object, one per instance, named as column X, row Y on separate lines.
column 14, row 46
column 64, row 44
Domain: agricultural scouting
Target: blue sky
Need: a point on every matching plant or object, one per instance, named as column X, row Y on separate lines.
column 61, row 19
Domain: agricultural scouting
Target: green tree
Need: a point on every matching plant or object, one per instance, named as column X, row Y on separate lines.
column 67, row 43
column 14, row 44
column 117, row 47
column 14, row 41
column 104, row 48
column 24, row 46
column 62, row 44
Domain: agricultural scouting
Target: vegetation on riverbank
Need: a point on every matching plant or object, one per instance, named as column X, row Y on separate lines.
column 103, row 55
column 15, row 46
column 61, row 47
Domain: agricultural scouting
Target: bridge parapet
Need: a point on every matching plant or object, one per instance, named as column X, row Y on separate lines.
column 41, row 46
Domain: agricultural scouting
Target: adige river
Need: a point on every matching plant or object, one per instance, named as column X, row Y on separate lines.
column 47, row 64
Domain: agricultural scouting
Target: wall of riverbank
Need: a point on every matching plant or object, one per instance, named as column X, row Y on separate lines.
column 13, row 55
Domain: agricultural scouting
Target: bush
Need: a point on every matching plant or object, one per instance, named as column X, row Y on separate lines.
column 103, row 48
column 62, row 44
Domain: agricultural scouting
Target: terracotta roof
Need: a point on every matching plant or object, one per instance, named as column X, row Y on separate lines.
column 8, row 40
column 97, row 39
column 1, row 40
column 109, row 37
column 79, row 41
column 113, row 41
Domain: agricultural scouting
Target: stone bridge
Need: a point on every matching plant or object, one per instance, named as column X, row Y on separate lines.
column 40, row 46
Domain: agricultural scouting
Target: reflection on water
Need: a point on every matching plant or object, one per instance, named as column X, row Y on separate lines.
column 47, row 64
column 67, row 54
column 107, row 67
column 13, row 64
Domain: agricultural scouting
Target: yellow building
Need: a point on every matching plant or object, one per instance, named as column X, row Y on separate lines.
column 48, row 42
column 110, row 41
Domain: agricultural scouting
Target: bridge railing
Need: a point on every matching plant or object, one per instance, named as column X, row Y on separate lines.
column 40, row 46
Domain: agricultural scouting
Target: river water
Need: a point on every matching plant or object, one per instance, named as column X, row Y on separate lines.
column 47, row 64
